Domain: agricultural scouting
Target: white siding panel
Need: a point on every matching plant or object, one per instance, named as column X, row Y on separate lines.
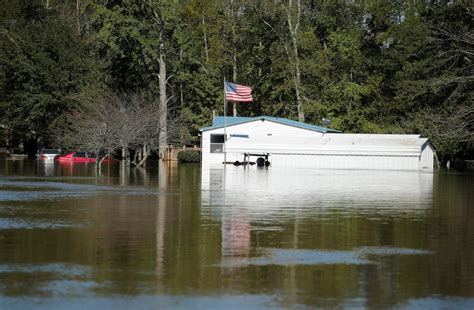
column 344, row 162
column 426, row 159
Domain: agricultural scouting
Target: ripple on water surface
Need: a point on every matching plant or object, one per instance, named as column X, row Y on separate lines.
column 21, row 190
column 284, row 257
column 14, row 223
column 257, row 301
column 60, row 269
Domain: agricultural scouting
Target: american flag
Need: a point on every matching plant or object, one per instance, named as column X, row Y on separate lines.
column 240, row 93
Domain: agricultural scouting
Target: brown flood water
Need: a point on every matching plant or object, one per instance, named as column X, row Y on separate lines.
column 200, row 237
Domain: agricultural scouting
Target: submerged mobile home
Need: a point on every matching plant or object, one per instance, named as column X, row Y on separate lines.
column 288, row 143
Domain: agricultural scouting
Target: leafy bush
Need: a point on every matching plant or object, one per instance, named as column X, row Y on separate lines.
column 189, row 157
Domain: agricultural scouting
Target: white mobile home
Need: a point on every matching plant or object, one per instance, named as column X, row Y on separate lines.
column 287, row 143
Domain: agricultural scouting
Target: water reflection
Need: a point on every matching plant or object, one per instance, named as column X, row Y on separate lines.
column 47, row 169
column 270, row 195
column 314, row 219
column 179, row 236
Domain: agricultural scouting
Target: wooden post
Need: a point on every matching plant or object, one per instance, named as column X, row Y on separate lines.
column 225, row 125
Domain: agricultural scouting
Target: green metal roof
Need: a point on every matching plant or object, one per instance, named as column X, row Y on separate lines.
column 218, row 122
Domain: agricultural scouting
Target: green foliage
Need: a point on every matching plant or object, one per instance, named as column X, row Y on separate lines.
column 189, row 157
column 43, row 66
column 370, row 66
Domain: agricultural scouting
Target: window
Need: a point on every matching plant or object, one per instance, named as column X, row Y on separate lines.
column 217, row 143
column 80, row 154
column 50, row 151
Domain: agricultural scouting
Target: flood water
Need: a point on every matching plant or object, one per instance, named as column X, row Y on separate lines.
column 203, row 237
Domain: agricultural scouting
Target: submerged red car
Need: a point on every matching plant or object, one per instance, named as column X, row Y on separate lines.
column 81, row 157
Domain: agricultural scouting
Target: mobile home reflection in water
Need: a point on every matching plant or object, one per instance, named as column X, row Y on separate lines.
column 262, row 191
column 241, row 197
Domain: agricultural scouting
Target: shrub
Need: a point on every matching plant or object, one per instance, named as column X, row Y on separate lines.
column 189, row 157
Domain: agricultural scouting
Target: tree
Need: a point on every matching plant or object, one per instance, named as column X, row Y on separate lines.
column 94, row 128
column 108, row 122
column 449, row 132
column 43, row 66
column 135, row 39
column 369, row 66
column 436, row 80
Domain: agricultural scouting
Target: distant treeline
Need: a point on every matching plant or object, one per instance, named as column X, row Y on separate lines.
column 372, row 66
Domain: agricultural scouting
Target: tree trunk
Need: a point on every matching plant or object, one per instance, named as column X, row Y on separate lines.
column 163, row 108
column 206, row 49
column 145, row 154
column 135, row 157
column 234, row 57
column 78, row 15
column 296, row 58
column 234, row 105
column 99, row 163
column 163, row 136
column 125, row 156
column 181, row 94
column 351, row 98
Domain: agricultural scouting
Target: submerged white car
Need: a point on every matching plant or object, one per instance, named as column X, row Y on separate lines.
column 48, row 155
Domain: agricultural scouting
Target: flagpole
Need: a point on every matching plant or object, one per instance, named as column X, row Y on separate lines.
column 225, row 125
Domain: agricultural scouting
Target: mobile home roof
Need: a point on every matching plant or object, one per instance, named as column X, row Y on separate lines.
column 218, row 122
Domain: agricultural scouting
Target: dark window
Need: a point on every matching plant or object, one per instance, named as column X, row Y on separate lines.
column 80, row 154
column 217, row 143
column 50, row 151
column 217, row 138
